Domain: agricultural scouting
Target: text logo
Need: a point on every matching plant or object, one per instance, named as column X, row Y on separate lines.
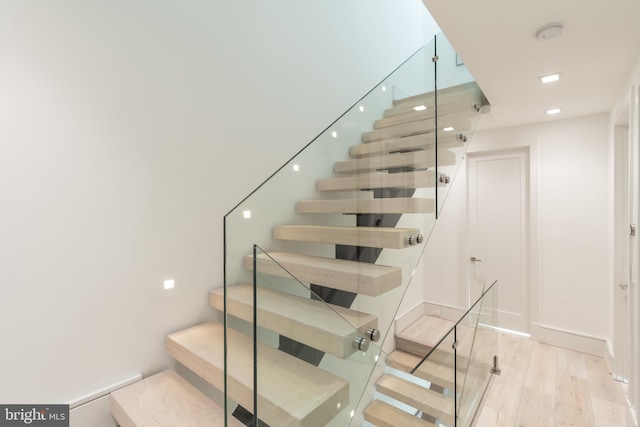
column 34, row 415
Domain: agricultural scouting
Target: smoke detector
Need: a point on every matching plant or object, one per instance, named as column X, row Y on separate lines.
column 549, row 32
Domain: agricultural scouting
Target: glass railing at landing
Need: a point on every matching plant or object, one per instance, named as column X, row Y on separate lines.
column 286, row 390
column 456, row 371
column 349, row 215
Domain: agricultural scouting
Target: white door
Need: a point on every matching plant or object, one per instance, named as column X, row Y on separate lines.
column 498, row 191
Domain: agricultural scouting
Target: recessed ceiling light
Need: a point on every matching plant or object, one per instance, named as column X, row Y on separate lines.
column 553, row 111
column 334, row 134
column 169, row 284
column 550, row 78
column 361, row 108
column 420, row 108
column 246, row 214
column 448, row 129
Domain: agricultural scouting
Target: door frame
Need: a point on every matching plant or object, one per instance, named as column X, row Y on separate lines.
column 529, row 246
column 622, row 310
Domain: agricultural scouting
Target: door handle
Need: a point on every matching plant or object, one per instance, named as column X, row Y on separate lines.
column 474, row 259
column 623, row 286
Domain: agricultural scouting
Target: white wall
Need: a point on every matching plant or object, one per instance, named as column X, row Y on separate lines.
column 127, row 131
column 569, row 224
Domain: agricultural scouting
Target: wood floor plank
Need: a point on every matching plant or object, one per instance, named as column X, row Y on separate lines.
column 505, row 393
column 536, row 409
column 609, row 414
column 572, row 363
column 543, row 368
column 600, row 381
column 489, row 417
column 573, row 402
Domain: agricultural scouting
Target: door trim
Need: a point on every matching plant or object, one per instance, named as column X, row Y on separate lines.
column 527, row 276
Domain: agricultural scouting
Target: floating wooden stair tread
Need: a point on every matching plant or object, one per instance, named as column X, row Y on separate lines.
column 166, row 399
column 457, row 121
column 415, row 159
column 469, row 90
column 423, row 335
column 370, row 181
column 428, row 401
column 352, row 276
column 407, row 144
column 291, row 392
column 404, row 114
column 375, row 237
column 397, row 205
column 328, row 328
column 431, row 371
column 384, row 415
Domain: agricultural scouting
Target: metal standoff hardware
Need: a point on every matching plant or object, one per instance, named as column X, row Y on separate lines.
column 414, row 239
column 360, row 343
column 373, row 334
column 477, row 107
column 495, row 369
column 445, row 179
column 474, row 259
column 462, row 137
column 454, row 345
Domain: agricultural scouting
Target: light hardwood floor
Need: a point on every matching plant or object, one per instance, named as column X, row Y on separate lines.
column 547, row 386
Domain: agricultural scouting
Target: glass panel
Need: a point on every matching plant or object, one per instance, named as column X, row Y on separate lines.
column 460, row 103
column 421, row 383
column 295, row 327
column 478, row 344
column 345, row 221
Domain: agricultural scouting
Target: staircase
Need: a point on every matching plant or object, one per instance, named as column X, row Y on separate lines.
column 432, row 387
column 316, row 350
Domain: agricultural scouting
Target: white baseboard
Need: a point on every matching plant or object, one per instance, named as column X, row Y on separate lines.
column 96, row 413
column 93, row 409
column 572, row 340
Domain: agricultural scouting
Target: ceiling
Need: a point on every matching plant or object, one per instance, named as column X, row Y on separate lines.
column 496, row 39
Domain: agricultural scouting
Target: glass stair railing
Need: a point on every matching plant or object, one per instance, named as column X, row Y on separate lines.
column 338, row 232
column 441, row 385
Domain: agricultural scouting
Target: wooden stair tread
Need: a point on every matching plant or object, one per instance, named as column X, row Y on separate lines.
column 458, row 121
column 428, row 401
column 291, row 391
column 429, row 370
column 370, row 181
column 376, row 237
column 165, row 399
column 384, row 415
column 415, row 159
column 423, row 335
column 446, row 95
column 404, row 114
column 352, row 276
column 328, row 328
column 407, row 144
column 427, row 330
column 398, row 205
